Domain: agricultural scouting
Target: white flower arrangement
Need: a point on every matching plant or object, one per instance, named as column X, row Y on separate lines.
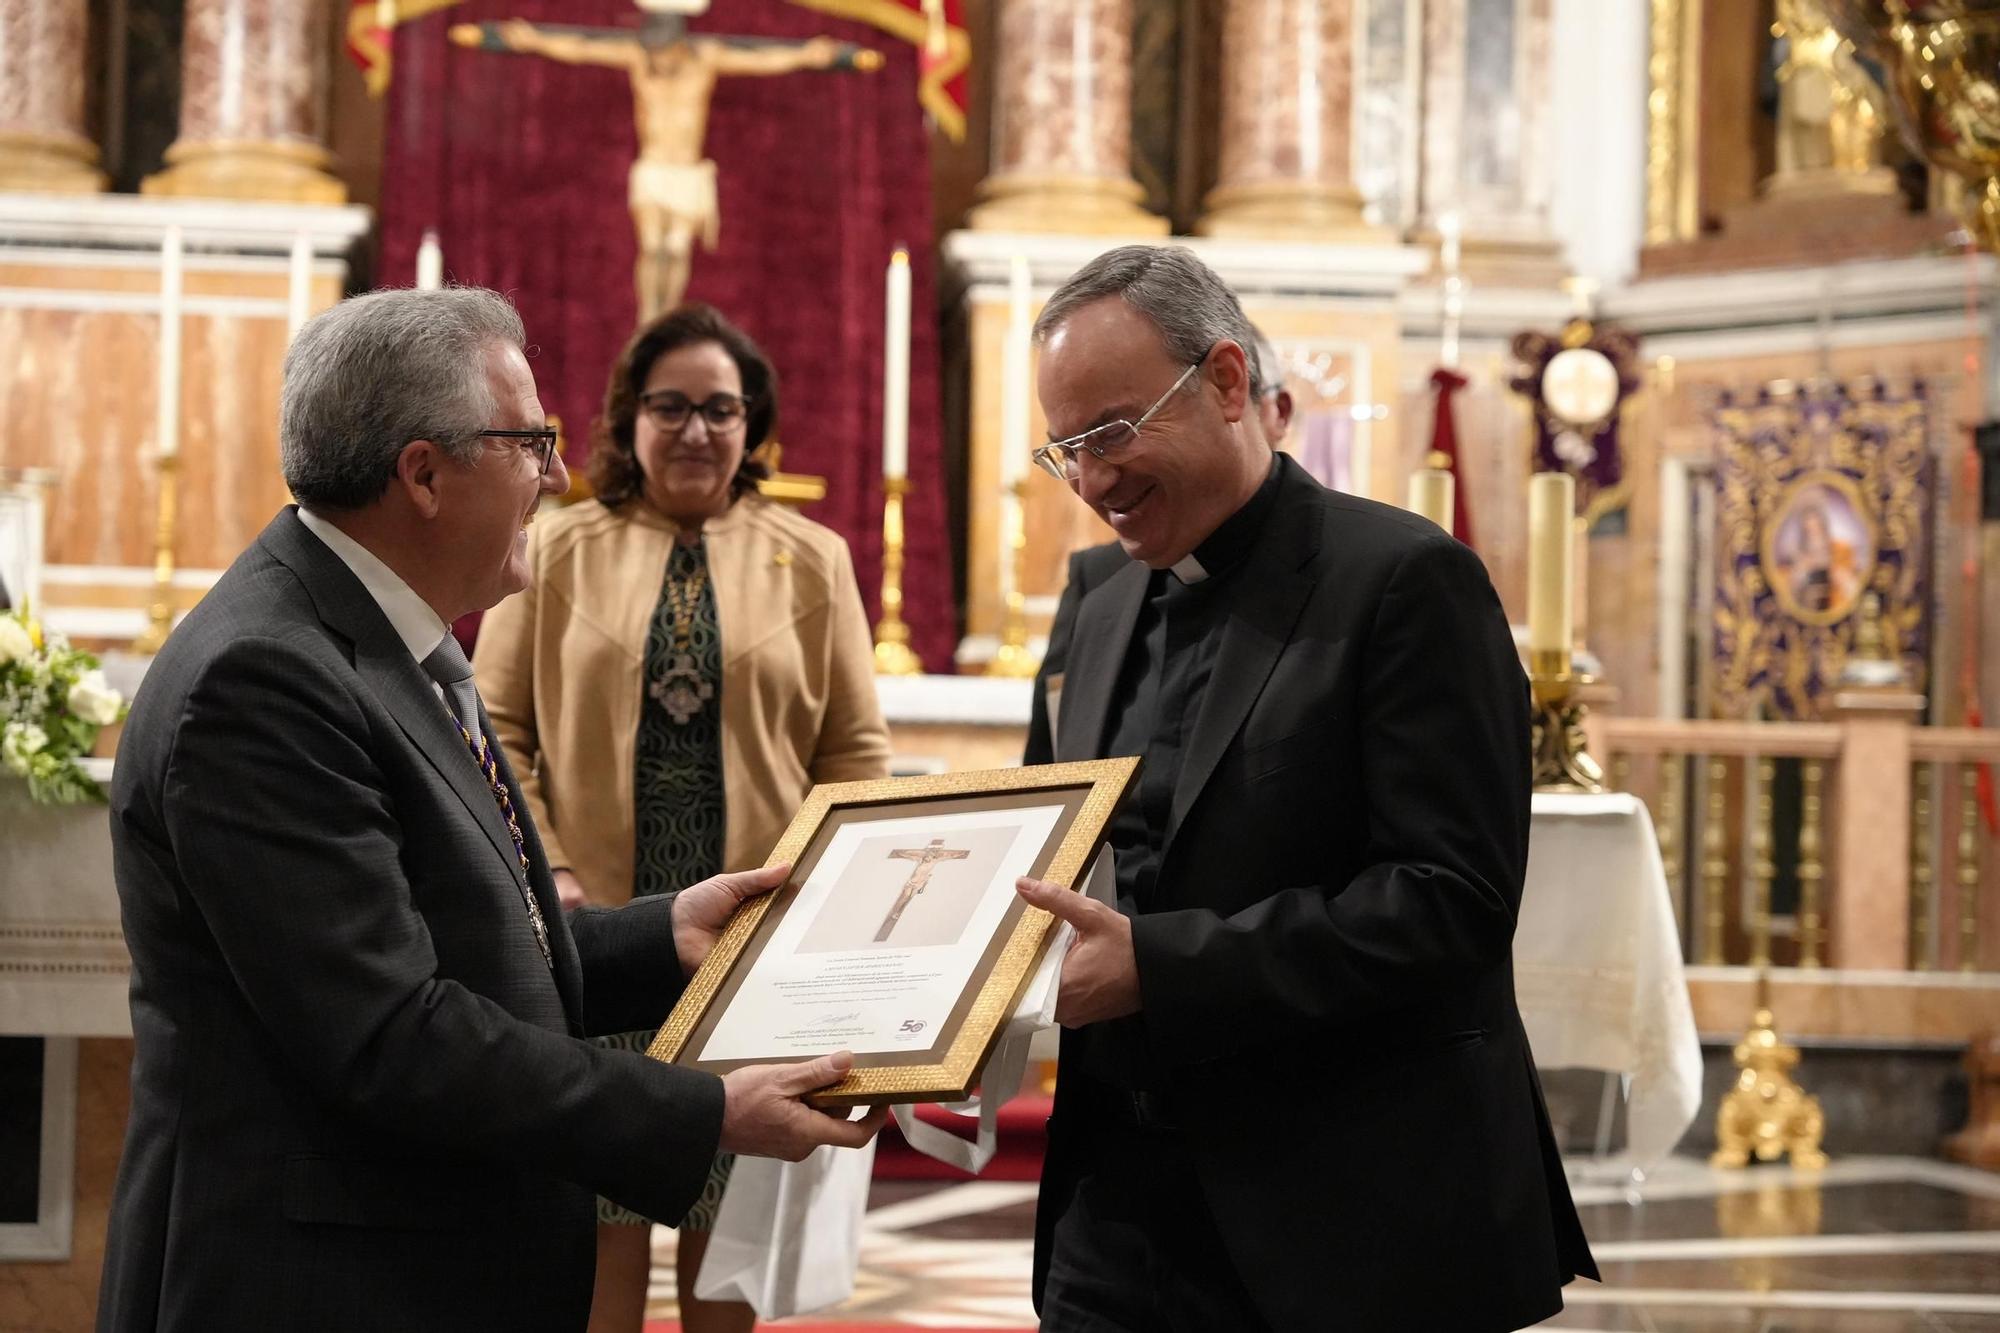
column 53, row 702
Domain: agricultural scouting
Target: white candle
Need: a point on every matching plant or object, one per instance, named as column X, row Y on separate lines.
column 430, row 263
column 896, row 369
column 167, row 431
column 1016, row 354
column 299, row 308
column 1551, row 551
column 1448, row 241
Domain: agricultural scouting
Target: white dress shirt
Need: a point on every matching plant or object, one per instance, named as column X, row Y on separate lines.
column 419, row 627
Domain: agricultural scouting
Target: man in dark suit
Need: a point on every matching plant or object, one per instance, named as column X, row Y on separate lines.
column 360, row 1098
column 1295, row 1092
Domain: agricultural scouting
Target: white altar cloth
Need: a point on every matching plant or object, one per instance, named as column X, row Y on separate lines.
column 1597, row 963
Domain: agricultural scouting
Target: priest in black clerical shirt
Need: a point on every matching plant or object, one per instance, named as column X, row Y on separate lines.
column 1294, row 1092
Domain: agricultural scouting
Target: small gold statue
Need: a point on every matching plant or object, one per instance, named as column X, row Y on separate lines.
column 1831, row 113
column 1767, row 1114
column 672, row 188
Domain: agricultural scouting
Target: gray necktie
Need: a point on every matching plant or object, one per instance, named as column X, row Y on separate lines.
column 447, row 666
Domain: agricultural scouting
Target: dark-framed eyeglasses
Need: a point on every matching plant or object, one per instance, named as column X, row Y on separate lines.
column 671, row 410
column 539, row 444
column 1058, row 459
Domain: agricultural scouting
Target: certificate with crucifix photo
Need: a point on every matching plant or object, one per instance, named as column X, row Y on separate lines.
column 899, row 935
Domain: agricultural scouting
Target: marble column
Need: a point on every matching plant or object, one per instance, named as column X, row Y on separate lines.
column 1287, row 159
column 1489, row 145
column 253, row 103
column 43, row 145
column 1062, row 122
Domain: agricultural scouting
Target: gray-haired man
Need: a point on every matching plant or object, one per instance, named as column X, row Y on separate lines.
column 359, row 1097
column 1295, row 1091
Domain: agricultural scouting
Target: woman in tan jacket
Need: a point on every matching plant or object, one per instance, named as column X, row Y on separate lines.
column 688, row 660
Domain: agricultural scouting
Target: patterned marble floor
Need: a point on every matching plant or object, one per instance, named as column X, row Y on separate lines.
column 1870, row 1245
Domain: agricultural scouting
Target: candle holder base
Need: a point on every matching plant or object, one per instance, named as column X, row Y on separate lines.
column 1562, row 763
column 1013, row 661
column 894, row 658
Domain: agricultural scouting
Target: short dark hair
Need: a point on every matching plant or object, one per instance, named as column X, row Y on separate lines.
column 613, row 469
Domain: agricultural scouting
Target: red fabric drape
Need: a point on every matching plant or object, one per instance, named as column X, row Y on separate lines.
column 1444, row 440
column 521, row 166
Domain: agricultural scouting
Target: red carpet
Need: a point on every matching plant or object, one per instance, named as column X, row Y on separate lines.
column 1021, row 1124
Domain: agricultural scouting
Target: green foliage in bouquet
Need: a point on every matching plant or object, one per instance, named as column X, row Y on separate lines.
column 53, row 702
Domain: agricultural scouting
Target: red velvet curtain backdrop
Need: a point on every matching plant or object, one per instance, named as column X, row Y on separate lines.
column 520, row 164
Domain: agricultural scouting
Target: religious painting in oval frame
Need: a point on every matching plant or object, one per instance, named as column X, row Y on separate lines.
column 1818, row 548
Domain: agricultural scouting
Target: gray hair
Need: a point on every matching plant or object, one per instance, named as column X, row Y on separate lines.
column 1192, row 307
column 375, row 372
column 1270, row 370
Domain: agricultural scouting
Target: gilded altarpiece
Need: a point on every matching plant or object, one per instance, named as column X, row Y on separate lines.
column 1823, row 500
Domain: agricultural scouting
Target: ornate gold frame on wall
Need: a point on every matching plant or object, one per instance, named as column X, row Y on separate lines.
column 1673, row 122
column 1873, row 446
column 961, row 1048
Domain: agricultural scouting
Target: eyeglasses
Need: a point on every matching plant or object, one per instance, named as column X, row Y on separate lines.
column 1059, row 459
column 670, row 411
column 540, row 444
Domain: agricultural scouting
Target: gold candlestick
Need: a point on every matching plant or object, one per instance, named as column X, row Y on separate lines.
column 1767, row 1115
column 1013, row 661
column 893, row 656
column 1562, row 763
column 160, row 615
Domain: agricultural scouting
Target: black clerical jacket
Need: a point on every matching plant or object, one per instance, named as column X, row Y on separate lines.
column 1325, row 955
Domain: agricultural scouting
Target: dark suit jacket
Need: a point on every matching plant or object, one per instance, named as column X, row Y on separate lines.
column 1325, row 957
column 359, row 1097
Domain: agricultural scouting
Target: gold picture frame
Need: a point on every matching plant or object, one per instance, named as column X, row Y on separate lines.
column 959, row 964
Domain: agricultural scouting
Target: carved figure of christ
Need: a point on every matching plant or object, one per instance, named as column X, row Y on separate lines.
column 926, row 859
column 671, row 193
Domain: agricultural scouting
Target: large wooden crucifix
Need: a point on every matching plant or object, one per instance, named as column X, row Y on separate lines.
column 671, row 191
column 926, row 859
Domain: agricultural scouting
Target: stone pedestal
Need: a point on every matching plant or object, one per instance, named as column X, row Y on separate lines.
column 1062, row 122
column 253, row 104
column 43, row 145
column 1287, row 168
column 1489, row 148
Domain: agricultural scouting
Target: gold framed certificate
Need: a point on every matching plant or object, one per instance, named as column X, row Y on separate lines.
column 898, row 935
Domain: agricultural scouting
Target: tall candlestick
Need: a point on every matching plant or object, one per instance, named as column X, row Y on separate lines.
column 1433, row 493
column 1551, row 550
column 299, row 304
column 167, row 431
column 896, row 369
column 430, row 262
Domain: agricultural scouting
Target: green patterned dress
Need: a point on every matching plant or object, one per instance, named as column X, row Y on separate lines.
column 677, row 786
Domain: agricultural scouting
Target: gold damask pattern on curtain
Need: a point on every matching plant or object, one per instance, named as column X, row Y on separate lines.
column 1823, row 500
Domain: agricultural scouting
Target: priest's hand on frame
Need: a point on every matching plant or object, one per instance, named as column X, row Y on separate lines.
column 763, row 1116
column 702, row 911
column 1100, row 975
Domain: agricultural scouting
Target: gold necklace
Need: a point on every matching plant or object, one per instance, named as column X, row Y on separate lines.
column 681, row 689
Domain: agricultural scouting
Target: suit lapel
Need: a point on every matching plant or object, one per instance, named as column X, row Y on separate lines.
column 1105, row 620
column 1271, row 589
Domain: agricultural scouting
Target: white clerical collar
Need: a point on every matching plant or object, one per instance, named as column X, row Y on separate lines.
column 419, row 627
column 1188, row 569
